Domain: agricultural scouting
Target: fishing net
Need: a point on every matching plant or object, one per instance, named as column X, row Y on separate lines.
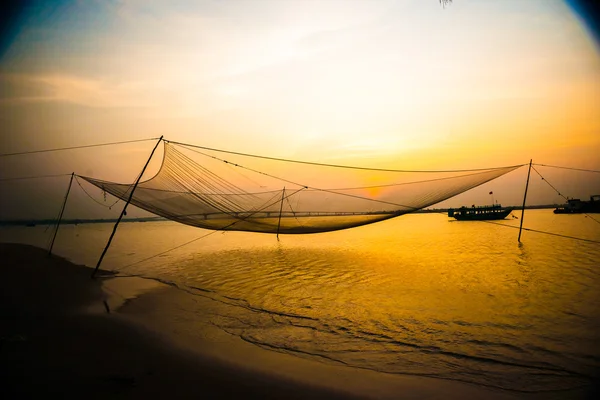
column 220, row 190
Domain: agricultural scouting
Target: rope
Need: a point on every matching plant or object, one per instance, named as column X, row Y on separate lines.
column 169, row 250
column 74, row 147
column 90, row 196
column 306, row 186
column 538, row 231
column 33, row 177
column 559, row 235
column 549, row 184
column 334, row 165
column 574, row 169
column 223, row 230
column 293, row 212
column 566, row 198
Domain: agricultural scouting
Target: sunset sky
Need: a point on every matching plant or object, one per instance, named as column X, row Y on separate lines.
column 401, row 84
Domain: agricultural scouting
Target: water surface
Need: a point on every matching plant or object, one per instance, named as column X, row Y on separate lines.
column 420, row 294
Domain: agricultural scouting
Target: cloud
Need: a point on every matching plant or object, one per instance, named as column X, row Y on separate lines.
column 20, row 89
column 72, row 89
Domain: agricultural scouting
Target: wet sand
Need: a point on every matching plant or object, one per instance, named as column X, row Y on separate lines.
column 56, row 338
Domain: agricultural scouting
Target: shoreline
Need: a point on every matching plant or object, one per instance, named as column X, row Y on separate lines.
column 56, row 337
column 210, row 341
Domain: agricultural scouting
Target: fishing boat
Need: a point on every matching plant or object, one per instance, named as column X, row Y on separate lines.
column 479, row 213
column 577, row 206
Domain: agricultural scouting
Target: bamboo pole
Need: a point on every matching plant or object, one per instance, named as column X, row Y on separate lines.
column 524, row 199
column 125, row 208
column 62, row 210
column 280, row 210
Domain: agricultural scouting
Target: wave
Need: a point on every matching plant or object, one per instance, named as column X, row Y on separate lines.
column 394, row 347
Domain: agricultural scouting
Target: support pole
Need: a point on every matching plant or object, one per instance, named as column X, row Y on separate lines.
column 125, row 208
column 524, row 198
column 280, row 210
column 62, row 210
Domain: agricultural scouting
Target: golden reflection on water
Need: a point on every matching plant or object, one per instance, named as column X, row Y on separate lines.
column 420, row 294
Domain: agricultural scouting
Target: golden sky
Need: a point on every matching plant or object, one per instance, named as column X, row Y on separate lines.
column 401, row 84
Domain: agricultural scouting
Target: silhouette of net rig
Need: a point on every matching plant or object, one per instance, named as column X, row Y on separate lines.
column 220, row 190
column 223, row 190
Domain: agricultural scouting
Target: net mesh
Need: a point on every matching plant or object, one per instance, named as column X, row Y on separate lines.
column 220, row 190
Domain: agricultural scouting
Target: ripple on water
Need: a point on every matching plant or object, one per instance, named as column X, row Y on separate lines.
column 415, row 295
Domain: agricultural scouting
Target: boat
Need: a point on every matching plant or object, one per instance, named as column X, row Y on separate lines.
column 479, row 213
column 577, row 206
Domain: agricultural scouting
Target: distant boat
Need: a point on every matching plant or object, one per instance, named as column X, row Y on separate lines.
column 577, row 206
column 479, row 213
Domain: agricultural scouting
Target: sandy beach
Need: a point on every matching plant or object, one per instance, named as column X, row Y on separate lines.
column 57, row 338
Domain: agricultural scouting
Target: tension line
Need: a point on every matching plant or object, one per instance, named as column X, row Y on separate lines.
column 90, row 196
column 574, row 169
column 560, row 194
column 32, row 177
column 74, row 147
column 335, row 165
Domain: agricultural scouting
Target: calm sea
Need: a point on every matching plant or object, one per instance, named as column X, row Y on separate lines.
column 420, row 294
